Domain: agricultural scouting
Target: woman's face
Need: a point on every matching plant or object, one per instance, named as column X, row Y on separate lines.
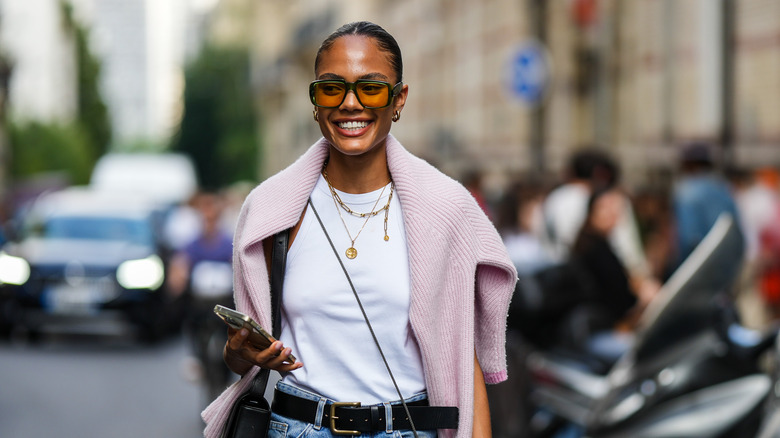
column 607, row 210
column 350, row 58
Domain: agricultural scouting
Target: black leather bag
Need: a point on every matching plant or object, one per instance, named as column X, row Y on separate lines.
column 250, row 415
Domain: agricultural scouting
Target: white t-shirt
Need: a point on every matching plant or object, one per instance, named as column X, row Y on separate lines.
column 321, row 320
column 565, row 210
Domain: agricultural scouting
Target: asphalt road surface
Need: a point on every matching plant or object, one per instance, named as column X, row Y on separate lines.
column 97, row 387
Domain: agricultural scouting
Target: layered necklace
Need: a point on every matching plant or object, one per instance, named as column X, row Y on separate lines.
column 351, row 252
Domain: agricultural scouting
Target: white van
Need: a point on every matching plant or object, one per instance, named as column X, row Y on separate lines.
column 165, row 177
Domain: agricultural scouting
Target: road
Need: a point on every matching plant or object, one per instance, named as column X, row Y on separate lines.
column 97, row 387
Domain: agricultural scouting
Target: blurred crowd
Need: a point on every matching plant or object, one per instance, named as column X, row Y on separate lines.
column 626, row 243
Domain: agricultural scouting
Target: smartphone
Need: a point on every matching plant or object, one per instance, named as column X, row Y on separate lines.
column 258, row 337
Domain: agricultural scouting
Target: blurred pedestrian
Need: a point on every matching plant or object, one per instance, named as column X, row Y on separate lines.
column 700, row 196
column 211, row 243
column 565, row 209
column 612, row 302
column 565, row 206
column 768, row 257
column 520, row 214
column 200, row 277
column 182, row 225
column 426, row 262
column 654, row 221
column 473, row 183
column 757, row 204
column 233, row 197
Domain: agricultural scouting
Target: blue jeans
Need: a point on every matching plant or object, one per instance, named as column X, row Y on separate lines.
column 282, row 427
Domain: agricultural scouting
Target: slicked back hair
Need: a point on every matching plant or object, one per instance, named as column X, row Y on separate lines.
column 383, row 40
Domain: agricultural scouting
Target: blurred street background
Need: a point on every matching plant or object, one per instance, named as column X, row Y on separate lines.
column 97, row 387
column 131, row 131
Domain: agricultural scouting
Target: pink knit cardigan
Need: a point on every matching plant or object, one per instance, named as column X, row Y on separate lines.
column 461, row 276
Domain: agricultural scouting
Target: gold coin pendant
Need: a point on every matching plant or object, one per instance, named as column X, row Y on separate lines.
column 351, row 253
column 387, row 238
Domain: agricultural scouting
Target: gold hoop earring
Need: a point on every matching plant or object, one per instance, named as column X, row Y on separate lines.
column 316, row 115
column 396, row 116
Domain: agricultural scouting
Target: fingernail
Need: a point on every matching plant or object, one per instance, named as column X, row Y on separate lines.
column 278, row 346
column 244, row 332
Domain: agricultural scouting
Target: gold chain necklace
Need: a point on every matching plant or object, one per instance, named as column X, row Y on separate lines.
column 346, row 207
column 351, row 252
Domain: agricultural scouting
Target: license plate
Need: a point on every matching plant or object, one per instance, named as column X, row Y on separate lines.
column 74, row 299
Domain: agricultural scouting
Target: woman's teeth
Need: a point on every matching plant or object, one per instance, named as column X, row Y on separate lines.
column 353, row 125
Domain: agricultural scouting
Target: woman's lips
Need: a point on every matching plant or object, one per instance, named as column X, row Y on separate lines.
column 352, row 128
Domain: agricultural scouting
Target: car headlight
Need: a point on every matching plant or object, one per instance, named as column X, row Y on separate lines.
column 13, row 270
column 147, row 273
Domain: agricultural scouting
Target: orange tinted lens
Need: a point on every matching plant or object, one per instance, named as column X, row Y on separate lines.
column 329, row 93
column 373, row 94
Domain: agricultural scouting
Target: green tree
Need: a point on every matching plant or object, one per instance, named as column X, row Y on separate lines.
column 93, row 113
column 73, row 147
column 70, row 147
column 39, row 148
column 218, row 129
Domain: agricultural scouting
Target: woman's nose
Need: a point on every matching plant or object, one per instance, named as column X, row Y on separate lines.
column 351, row 101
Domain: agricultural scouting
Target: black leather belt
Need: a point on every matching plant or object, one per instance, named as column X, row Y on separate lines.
column 352, row 419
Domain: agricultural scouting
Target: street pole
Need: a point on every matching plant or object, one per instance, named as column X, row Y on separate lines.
column 5, row 153
column 727, row 77
column 537, row 135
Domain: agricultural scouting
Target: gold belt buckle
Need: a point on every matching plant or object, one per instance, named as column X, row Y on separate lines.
column 333, row 417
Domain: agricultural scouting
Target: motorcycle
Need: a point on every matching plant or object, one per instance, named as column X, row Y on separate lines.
column 692, row 370
column 770, row 425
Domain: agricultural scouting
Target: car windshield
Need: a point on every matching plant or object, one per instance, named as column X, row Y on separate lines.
column 136, row 231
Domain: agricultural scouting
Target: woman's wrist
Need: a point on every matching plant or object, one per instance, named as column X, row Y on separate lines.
column 236, row 364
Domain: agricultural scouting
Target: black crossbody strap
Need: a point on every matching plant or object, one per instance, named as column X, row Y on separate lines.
column 278, row 264
column 365, row 316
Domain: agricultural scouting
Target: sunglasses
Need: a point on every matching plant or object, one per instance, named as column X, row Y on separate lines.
column 330, row 93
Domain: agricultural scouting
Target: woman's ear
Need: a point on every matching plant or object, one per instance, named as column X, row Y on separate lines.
column 400, row 99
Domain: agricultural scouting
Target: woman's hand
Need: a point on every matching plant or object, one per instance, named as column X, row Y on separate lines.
column 647, row 290
column 240, row 355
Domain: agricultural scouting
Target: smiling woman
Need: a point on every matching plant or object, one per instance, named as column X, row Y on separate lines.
column 354, row 121
column 430, row 272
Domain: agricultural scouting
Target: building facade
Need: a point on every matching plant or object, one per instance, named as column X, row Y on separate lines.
column 142, row 45
column 637, row 78
column 42, row 52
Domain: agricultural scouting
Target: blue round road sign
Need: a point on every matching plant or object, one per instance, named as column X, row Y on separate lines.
column 529, row 73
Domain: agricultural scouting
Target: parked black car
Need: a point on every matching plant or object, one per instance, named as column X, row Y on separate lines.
column 87, row 262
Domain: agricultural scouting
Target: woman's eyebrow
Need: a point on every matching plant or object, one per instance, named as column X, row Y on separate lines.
column 329, row 76
column 367, row 76
column 374, row 76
